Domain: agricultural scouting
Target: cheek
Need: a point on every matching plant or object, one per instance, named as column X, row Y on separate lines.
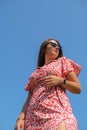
column 57, row 54
column 49, row 50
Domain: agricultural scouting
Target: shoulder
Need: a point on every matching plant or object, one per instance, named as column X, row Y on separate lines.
column 63, row 58
column 70, row 65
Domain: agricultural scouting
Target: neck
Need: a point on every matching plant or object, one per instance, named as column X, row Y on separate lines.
column 47, row 61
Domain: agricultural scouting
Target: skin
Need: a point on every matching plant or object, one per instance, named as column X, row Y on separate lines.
column 72, row 82
column 20, row 123
column 51, row 52
column 72, row 85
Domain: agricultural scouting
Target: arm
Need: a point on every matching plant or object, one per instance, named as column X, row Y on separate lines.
column 21, row 117
column 23, row 112
column 72, row 83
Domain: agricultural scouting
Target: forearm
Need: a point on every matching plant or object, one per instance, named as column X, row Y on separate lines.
column 73, row 87
column 71, row 83
column 23, row 111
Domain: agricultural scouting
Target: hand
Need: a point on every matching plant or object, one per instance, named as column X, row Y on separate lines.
column 52, row 80
column 19, row 124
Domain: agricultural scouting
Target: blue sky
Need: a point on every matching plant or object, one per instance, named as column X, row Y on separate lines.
column 24, row 24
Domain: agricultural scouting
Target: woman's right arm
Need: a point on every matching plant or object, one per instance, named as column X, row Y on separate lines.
column 21, row 117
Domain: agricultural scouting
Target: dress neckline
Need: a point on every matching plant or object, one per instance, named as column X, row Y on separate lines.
column 46, row 64
column 50, row 62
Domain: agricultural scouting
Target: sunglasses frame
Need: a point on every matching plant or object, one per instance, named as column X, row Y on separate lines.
column 54, row 44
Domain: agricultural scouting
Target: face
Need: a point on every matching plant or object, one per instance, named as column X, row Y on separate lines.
column 52, row 50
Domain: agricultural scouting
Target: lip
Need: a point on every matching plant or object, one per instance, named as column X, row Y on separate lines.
column 56, row 50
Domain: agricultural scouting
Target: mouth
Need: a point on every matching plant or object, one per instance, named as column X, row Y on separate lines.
column 56, row 51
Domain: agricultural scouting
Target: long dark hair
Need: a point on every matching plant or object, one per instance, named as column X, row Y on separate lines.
column 41, row 56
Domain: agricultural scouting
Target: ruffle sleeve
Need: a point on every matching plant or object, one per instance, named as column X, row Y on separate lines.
column 33, row 80
column 30, row 85
column 69, row 65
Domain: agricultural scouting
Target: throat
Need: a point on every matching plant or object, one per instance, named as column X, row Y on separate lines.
column 49, row 61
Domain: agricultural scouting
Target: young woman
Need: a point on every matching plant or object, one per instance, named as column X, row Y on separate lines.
column 47, row 106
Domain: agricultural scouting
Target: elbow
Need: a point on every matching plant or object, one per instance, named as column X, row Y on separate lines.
column 77, row 91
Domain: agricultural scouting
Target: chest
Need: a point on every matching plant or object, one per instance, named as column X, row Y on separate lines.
column 54, row 68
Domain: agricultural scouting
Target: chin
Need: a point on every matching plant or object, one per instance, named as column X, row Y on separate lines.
column 56, row 57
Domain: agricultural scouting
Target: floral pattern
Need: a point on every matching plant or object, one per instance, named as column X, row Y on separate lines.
column 48, row 107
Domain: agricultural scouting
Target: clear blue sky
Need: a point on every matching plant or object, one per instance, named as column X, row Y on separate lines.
column 24, row 24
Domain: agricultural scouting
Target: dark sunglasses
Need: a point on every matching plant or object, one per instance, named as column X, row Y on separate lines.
column 54, row 44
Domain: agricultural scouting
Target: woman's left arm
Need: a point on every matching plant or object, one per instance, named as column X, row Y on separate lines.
column 72, row 83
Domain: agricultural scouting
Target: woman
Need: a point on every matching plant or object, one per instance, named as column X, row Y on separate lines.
column 47, row 106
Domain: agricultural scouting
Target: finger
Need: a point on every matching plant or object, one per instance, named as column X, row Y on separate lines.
column 18, row 128
column 49, row 84
column 15, row 128
column 47, row 81
column 22, row 128
column 47, row 77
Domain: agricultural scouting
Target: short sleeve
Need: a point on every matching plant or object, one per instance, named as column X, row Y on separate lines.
column 30, row 85
column 69, row 65
column 27, row 87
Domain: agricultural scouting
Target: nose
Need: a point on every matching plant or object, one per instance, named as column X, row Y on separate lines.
column 56, row 47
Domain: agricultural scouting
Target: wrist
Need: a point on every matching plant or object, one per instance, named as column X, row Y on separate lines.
column 21, row 116
column 64, row 82
column 20, row 119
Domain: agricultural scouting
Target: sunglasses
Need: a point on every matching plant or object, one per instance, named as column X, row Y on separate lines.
column 54, row 44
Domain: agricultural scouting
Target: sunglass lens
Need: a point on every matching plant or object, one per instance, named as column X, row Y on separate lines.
column 53, row 44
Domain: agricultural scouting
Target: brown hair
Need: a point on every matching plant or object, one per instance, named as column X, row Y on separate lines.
column 41, row 56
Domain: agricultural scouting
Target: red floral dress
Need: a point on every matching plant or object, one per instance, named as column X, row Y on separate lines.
column 49, row 107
